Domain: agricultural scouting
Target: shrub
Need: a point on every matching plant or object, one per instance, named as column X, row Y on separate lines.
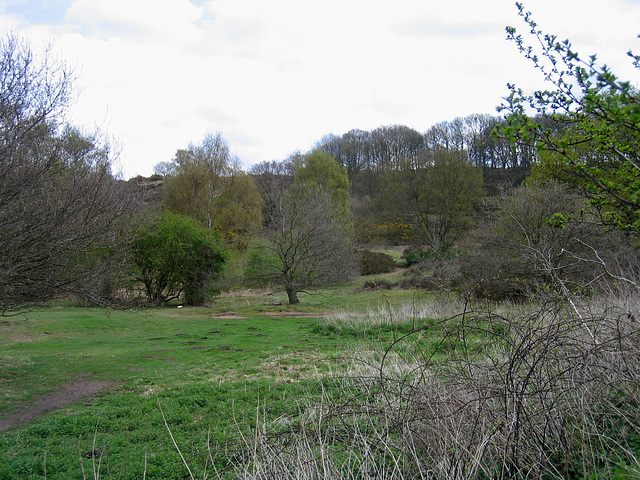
column 175, row 256
column 542, row 237
column 373, row 263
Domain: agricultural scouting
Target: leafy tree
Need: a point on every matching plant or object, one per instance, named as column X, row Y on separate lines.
column 62, row 212
column 197, row 178
column 174, row 256
column 586, row 125
column 205, row 182
column 320, row 171
column 435, row 200
column 239, row 210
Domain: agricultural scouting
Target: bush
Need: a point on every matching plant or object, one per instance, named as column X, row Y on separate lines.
column 373, row 263
column 175, row 256
column 542, row 237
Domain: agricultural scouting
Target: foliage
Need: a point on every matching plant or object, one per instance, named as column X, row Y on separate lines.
column 445, row 252
column 588, row 124
column 206, row 183
column 376, row 262
column 392, row 233
column 436, row 200
column 320, row 171
column 173, row 255
column 261, row 260
column 238, row 210
column 541, row 236
column 62, row 212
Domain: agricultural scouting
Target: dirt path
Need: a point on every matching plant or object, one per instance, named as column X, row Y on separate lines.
column 68, row 394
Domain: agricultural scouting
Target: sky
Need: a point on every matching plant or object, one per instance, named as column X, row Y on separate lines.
column 275, row 76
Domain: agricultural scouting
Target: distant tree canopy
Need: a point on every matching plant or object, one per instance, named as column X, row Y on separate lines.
column 393, row 147
column 62, row 212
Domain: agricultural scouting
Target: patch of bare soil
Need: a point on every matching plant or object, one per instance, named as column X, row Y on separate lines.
column 231, row 315
column 292, row 313
column 68, row 394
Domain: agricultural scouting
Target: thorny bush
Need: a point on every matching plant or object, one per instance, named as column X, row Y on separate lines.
column 545, row 391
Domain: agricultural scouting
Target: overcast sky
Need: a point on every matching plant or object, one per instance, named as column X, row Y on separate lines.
column 275, row 76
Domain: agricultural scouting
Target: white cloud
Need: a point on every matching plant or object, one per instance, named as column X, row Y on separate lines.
column 275, row 76
column 142, row 21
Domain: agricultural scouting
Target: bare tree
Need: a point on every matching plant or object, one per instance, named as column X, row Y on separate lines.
column 33, row 98
column 305, row 243
column 273, row 180
column 61, row 209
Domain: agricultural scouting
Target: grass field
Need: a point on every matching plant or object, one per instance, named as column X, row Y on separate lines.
column 206, row 376
column 353, row 383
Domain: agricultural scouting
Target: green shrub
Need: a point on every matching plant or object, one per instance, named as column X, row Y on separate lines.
column 174, row 256
column 372, row 263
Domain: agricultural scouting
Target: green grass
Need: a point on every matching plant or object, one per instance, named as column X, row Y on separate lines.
column 209, row 370
column 211, row 378
column 54, row 346
column 395, row 253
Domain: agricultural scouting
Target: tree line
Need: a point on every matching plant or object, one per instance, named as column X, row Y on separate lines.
column 399, row 147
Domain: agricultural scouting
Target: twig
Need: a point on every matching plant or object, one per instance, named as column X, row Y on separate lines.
column 174, row 442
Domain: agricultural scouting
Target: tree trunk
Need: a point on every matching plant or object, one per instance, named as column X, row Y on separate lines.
column 293, row 296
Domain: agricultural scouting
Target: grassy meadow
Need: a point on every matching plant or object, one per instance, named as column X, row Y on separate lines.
column 207, row 377
column 353, row 383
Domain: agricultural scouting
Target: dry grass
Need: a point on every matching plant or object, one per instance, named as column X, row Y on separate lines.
column 549, row 391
